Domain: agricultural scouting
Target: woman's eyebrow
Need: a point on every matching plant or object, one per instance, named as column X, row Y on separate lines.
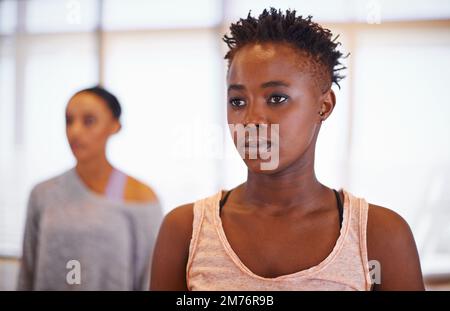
column 236, row 87
column 274, row 84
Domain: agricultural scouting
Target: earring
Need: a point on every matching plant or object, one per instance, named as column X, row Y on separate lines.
column 321, row 113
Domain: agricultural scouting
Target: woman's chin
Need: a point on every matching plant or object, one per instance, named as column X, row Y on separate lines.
column 81, row 156
column 259, row 166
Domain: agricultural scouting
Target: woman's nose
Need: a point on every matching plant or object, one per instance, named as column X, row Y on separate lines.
column 74, row 129
column 256, row 114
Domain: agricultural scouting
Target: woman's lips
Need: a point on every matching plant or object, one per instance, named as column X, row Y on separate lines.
column 253, row 147
column 76, row 146
column 258, row 143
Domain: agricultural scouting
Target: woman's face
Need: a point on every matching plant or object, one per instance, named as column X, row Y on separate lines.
column 271, row 84
column 89, row 123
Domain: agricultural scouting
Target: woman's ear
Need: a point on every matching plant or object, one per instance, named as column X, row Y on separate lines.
column 328, row 101
column 116, row 127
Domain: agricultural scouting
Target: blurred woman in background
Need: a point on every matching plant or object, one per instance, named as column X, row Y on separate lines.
column 92, row 227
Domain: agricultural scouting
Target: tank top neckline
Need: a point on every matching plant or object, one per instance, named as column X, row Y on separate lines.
column 302, row 273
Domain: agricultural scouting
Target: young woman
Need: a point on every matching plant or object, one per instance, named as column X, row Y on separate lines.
column 92, row 227
column 282, row 229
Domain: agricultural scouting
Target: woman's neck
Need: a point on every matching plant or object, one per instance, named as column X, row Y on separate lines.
column 295, row 186
column 95, row 173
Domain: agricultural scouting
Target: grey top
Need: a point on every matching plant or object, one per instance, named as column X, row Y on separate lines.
column 71, row 229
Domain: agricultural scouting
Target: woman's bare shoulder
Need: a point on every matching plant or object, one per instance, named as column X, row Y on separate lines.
column 390, row 241
column 137, row 191
column 181, row 217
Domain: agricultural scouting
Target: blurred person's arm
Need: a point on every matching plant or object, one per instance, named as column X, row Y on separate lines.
column 172, row 250
column 150, row 224
column 147, row 221
column 30, row 240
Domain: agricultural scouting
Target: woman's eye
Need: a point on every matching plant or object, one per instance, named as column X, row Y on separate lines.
column 277, row 99
column 89, row 121
column 236, row 102
column 69, row 120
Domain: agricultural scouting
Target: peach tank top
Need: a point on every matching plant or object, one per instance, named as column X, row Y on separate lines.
column 213, row 265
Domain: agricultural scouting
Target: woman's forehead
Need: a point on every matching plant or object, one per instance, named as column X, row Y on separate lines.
column 86, row 101
column 268, row 61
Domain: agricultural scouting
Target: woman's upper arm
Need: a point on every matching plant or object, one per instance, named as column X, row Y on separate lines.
column 391, row 243
column 172, row 250
column 29, row 245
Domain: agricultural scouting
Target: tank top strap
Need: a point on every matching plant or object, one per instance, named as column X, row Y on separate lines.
column 357, row 237
column 115, row 188
column 203, row 211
